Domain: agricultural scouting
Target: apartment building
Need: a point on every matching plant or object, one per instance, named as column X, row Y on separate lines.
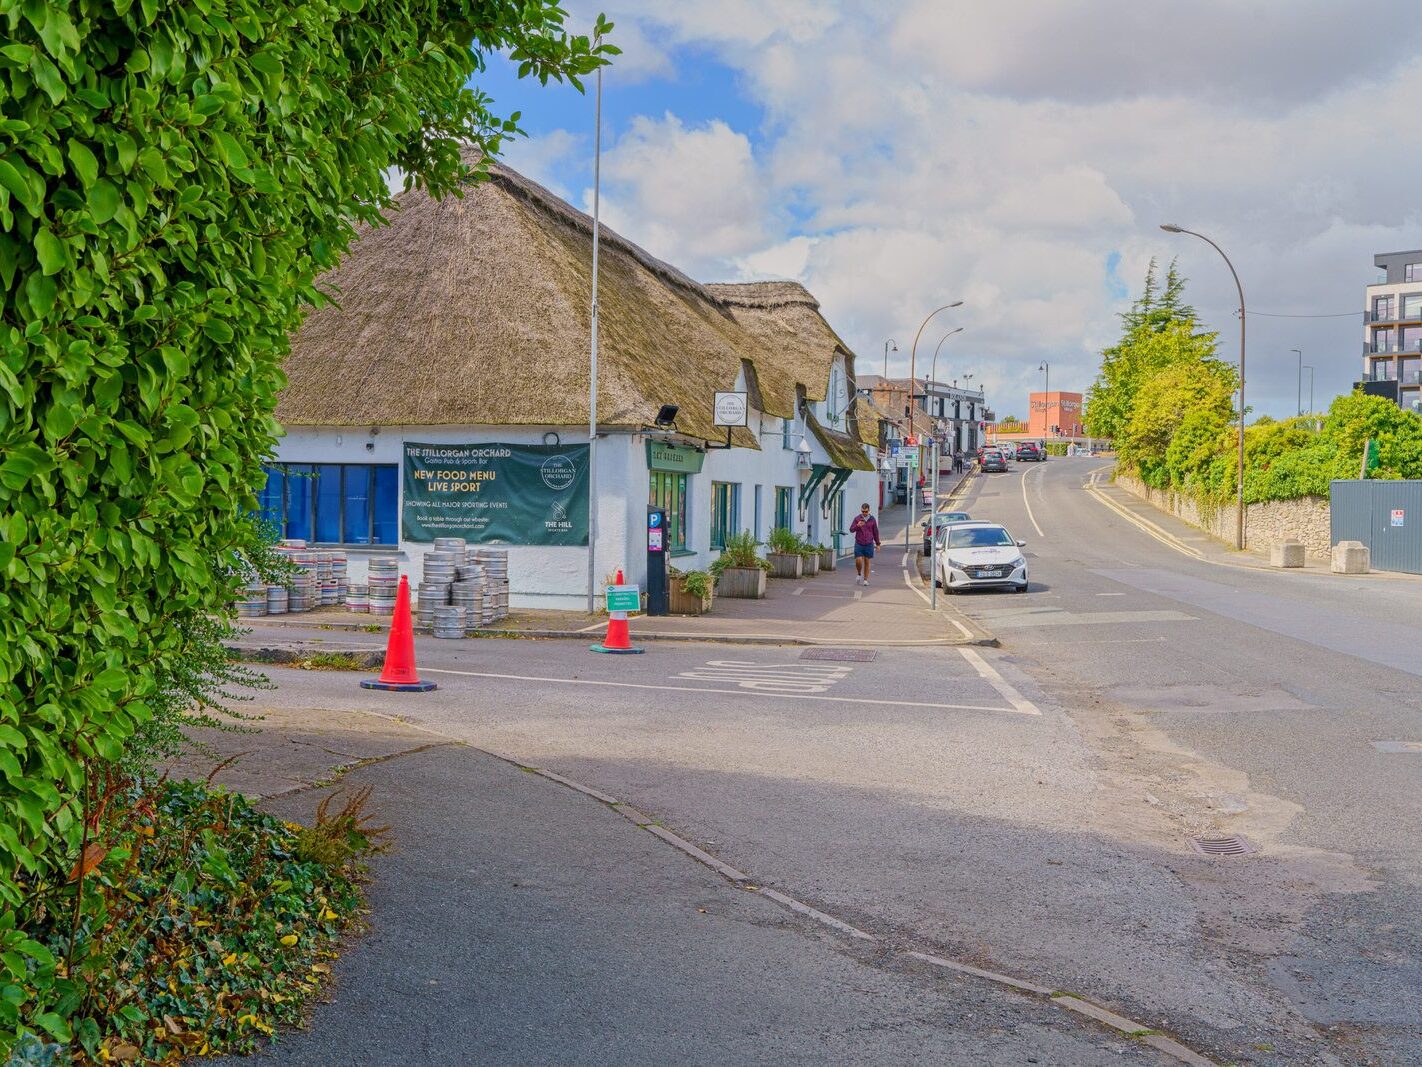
column 1392, row 330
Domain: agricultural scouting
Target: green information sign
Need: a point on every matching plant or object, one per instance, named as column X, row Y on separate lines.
column 493, row 493
column 676, row 458
column 624, row 598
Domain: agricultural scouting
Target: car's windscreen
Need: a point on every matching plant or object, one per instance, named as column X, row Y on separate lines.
column 979, row 537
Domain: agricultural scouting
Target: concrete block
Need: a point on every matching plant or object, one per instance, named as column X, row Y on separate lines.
column 1287, row 553
column 1351, row 557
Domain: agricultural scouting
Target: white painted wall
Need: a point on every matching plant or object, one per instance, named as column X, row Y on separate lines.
column 538, row 576
column 557, row 577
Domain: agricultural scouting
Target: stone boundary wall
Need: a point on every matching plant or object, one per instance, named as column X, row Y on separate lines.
column 1306, row 519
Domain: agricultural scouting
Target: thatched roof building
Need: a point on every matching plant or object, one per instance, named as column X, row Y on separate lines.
column 475, row 311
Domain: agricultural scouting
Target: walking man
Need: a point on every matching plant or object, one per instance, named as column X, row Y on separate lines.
column 865, row 529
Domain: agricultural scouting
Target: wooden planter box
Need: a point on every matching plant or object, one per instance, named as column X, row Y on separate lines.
column 746, row 583
column 811, row 566
column 683, row 603
column 786, row 565
column 828, row 561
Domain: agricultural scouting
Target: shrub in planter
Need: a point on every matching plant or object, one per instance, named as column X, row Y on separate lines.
column 811, row 555
column 738, row 571
column 690, row 592
column 784, row 553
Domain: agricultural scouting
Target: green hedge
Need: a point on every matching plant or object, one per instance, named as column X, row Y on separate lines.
column 173, row 176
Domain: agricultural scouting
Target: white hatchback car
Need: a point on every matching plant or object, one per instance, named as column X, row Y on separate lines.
column 980, row 554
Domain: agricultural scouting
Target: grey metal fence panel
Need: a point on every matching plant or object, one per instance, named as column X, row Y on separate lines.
column 1386, row 516
column 1350, row 516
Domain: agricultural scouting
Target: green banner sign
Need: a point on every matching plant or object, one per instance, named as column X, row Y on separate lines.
column 679, row 459
column 492, row 493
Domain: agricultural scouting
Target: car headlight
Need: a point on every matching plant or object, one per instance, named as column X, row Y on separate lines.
column 1018, row 562
column 956, row 563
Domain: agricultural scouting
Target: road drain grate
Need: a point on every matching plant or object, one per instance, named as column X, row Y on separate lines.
column 840, row 655
column 1233, row 845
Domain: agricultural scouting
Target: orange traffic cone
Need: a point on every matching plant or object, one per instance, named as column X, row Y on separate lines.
column 399, row 673
column 619, row 638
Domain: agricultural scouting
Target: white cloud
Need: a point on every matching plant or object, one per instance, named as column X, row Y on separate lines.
column 956, row 150
column 693, row 196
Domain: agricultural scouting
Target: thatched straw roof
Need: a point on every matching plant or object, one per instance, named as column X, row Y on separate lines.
column 476, row 311
column 844, row 450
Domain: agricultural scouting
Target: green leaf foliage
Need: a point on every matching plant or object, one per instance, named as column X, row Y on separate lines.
column 1169, row 404
column 174, row 174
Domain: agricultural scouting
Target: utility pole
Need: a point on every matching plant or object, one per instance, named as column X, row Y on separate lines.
column 1299, row 353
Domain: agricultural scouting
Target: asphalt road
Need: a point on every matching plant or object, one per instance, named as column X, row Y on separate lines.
column 1029, row 808
column 518, row 922
column 1226, row 699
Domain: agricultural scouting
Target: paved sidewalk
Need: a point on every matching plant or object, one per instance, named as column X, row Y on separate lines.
column 829, row 608
column 518, row 921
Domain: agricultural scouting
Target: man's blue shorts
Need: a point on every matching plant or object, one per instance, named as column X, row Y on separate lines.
column 865, row 551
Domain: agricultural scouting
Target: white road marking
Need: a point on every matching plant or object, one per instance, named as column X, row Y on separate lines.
column 1059, row 617
column 798, row 590
column 771, row 677
column 1150, row 529
column 728, row 692
column 1029, row 503
column 987, row 671
column 925, row 598
column 1110, row 594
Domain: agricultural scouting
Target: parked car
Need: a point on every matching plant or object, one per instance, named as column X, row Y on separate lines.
column 1030, row 452
column 983, row 555
column 938, row 522
column 994, row 462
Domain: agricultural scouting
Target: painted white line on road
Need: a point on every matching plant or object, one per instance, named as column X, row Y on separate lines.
column 924, row 597
column 1035, row 526
column 1150, row 529
column 987, row 671
column 798, row 590
column 1110, row 594
column 727, row 692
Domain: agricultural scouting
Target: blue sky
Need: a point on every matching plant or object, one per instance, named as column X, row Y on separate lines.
column 897, row 157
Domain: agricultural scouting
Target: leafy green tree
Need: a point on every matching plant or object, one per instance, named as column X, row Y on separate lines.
column 174, row 174
column 1190, row 382
column 1126, row 365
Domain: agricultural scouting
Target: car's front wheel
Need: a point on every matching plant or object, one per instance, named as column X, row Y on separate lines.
column 1020, row 588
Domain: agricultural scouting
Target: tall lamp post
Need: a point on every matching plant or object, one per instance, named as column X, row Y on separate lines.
column 1239, row 487
column 933, row 507
column 1299, row 352
column 1046, row 369
column 592, row 376
column 889, row 346
column 1310, row 394
column 913, row 366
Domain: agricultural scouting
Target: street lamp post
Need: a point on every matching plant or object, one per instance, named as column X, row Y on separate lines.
column 913, row 368
column 1310, row 393
column 889, row 345
column 933, row 504
column 1299, row 352
column 1046, row 369
column 1239, row 487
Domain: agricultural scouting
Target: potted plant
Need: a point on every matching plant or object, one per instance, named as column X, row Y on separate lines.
column 827, row 558
column 690, row 592
column 738, row 571
column 783, row 552
column 811, row 555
